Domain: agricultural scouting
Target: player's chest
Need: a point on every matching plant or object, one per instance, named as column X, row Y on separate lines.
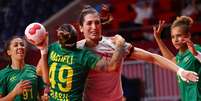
column 186, row 61
column 15, row 77
column 105, row 51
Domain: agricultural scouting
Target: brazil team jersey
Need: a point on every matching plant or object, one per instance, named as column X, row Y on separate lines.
column 68, row 71
column 189, row 91
column 9, row 78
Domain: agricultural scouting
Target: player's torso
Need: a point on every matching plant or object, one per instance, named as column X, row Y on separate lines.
column 102, row 85
column 187, row 61
column 67, row 74
column 189, row 91
column 15, row 76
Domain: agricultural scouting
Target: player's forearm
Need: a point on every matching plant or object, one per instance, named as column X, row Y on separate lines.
column 44, row 68
column 116, row 59
column 10, row 97
column 153, row 58
column 110, row 65
column 164, row 50
column 165, row 63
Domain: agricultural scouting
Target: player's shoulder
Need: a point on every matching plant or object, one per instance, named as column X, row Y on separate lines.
column 197, row 47
column 81, row 43
column 54, row 44
column 29, row 66
column 5, row 71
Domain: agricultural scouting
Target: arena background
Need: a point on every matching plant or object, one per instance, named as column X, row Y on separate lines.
column 141, row 81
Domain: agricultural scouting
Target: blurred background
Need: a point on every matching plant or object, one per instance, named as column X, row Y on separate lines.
column 133, row 19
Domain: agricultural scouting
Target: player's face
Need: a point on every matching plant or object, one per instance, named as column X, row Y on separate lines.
column 92, row 28
column 177, row 36
column 17, row 49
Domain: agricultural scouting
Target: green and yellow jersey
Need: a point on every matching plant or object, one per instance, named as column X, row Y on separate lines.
column 189, row 91
column 11, row 77
column 68, row 71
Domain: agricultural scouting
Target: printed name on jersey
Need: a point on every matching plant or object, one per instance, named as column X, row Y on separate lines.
column 61, row 58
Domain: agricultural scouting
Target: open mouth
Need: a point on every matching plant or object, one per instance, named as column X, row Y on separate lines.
column 20, row 52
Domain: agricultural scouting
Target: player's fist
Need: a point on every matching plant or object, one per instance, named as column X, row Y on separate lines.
column 190, row 45
column 119, row 41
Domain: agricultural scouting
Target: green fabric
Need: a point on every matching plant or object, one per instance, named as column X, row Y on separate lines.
column 10, row 78
column 189, row 91
column 68, row 71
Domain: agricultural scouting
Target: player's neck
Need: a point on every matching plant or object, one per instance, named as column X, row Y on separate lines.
column 17, row 64
column 183, row 49
column 91, row 43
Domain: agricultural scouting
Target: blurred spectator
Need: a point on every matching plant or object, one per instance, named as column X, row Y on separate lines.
column 190, row 9
column 143, row 11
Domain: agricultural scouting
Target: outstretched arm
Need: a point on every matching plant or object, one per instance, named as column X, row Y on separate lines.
column 116, row 59
column 163, row 62
column 42, row 67
column 164, row 50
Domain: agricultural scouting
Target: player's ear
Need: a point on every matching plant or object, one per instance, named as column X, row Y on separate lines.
column 8, row 52
column 81, row 28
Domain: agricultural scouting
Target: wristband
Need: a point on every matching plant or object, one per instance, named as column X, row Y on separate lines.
column 179, row 73
column 44, row 51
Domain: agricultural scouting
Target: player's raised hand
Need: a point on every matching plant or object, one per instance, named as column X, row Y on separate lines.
column 188, row 75
column 21, row 86
column 43, row 46
column 190, row 45
column 44, row 43
column 158, row 30
column 105, row 14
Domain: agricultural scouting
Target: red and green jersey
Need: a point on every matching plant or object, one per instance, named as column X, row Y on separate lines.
column 11, row 77
column 189, row 91
column 68, row 71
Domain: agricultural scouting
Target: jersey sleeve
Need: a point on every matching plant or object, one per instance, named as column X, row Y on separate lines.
column 198, row 47
column 41, row 84
column 91, row 59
